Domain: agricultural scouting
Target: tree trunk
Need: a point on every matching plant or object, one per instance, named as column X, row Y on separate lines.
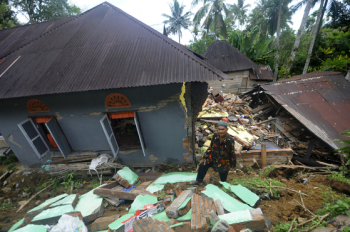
column 179, row 37
column 314, row 35
column 324, row 9
column 278, row 41
column 299, row 35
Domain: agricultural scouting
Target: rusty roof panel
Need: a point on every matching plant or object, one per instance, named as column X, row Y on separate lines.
column 263, row 72
column 319, row 100
column 103, row 48
column 222, row 55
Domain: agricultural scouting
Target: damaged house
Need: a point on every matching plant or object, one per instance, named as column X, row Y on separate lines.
column 243, row 72
column 310, row 111
column 101, row 81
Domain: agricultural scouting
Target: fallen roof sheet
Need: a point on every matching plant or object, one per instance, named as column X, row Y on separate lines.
column 222, row 55
column 228, row 202
column 319, row 100
column 172, row 177
column 243, row 193
column 103, row 48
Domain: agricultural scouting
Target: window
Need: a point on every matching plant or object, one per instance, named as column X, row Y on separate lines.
column 123, row 131
column 44, row 134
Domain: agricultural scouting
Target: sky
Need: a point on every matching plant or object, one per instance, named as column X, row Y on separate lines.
column 150, row 12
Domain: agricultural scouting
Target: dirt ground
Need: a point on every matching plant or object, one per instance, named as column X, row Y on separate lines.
column 281, row 209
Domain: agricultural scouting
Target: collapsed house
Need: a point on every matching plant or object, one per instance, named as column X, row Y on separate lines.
column 243, row 72
column 310, row 111
column 297, row 119
column 101, row 81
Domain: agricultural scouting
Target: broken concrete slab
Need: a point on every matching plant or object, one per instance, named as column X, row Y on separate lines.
column 173, row 210
column 32, row 228
column 141, row 200
column 45, row 205
column 228, row 202
column 219, row 208
column 220, row 226
column 90, row 206
column 185, row 207
column 113, row 201
column 243, row 193
column 17, row 225
column 118, row 225
column 126, row 177
column 163, row 217
column 172, row 177
column 247, row 219
column 213, row 217
column 114, row 190
column 52, row 215
column 68, row 200
column 340, row 222
column 103, row 222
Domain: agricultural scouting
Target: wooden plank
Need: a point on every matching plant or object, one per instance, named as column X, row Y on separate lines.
column 257, row 109
column 117, row 191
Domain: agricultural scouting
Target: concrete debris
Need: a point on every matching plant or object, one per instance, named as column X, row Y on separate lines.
column 103, row 222
column 126, row 177
column 173, row 210
column 243, row 193
column 220, row 226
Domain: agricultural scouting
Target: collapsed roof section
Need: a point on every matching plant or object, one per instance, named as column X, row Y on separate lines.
column 319, row 100
column 103, row 48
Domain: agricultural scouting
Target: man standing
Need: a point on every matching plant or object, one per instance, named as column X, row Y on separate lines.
column 220, row 155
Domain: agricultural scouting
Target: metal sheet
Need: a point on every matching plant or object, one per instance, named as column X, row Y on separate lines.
column 319, row 100
column 103, row 48
column 59, row 137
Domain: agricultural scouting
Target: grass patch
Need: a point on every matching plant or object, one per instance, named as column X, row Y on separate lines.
column 266, row 171
column 339, row 177
column 8, row 160
column 5, row 205
column 10, row 166
column 253, row 182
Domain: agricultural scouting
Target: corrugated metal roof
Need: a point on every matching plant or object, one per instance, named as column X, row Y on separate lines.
column 319, row 100
column 263, row 72
column 222, row 55
column 103, row 48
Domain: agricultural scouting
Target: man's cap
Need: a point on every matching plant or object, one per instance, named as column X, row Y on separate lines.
column 222, row 123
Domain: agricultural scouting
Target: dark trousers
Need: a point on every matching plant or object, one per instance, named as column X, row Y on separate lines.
column 202, row 170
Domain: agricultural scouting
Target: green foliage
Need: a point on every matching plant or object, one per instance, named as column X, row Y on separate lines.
column 9, row 159
column 336, row 206
column 177, row 20
column 44, row 10
column 5, row 205
column 339, row 177
column 282, row 227
column 7, row 15
column 10, row 166
column 252, row 44
column 346, row 229
column 200, row 45
column 253, row 182
column 344, row 149
column 266, row 171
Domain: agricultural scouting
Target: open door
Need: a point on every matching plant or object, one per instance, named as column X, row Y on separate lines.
column 106, row 126
column 58, row 137
column 140, row 133
column 34, row 138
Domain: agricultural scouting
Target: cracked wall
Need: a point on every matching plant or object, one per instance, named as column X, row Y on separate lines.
column 160, row 114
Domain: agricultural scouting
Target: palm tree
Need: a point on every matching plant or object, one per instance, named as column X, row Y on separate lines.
column 240, row 10
column 314, row 34
column 213, row 11
column 177, row 20
column 278, row 41
column 298, row 38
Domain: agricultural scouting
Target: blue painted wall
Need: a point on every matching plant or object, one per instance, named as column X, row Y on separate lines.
column 79, row 116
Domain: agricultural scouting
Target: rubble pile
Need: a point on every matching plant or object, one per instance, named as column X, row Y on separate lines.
column 254, row 118
column 170, row 203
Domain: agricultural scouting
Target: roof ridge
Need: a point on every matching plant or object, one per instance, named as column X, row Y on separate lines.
column 161, row 36
column 73, row 18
